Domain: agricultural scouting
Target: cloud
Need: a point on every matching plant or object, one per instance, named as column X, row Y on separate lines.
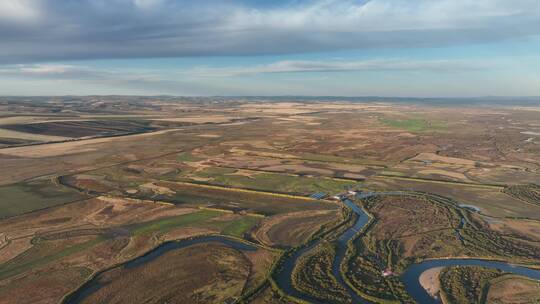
column 46, row 30
column 53, row 71
column 400, row 77
column 81, row 72
column 19, row 11
column 60, row 79
column 47, row 69
column 306, row 66
column 194, row 81
column 77, row 73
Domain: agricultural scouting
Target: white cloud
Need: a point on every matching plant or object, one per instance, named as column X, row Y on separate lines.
column 19, row 11
column 383, row 15
column 46, row 69
column 66, row 71
column 400, row 77
column 77, row 72
column 303, row 66
column 94, row 29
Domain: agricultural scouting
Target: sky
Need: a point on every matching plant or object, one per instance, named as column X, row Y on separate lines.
column 409, row 48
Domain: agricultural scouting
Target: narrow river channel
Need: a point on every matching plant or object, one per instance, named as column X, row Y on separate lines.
column 411, row 275
column 284, row 276
column 95, row 283
column 412, row 283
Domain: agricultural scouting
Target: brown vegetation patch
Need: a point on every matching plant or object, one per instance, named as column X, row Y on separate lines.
column 72, row 147
column 13, row 248
column 261, row 262
column 121, row 211
column 299, row 169
column 490, row 200
column 47, row 286
column 514, row 290
column 528, row 230
column 206, row 273
column 394, row 216
column 156, row 189
column 432, row 157
column 269, row 296
column 200, row 119
column 292, row 229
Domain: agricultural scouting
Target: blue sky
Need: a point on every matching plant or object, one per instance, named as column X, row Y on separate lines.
column 288, row 47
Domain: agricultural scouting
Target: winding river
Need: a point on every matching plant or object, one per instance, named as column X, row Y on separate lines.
column 410, row 277
column 283, row 277
column 95, row 283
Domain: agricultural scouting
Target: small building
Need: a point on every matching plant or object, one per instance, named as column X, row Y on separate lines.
column 387, row 273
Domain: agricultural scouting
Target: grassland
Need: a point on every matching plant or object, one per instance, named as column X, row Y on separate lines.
column 244, row 169
column 238, row 200
column 509, row 289
column 165, row 225
column 325, row 158
column 49, row 251
column 187, row 157
column 206, row 273
column 294, row 228
column 42, row 254
column 43, row 287
column 283, row 183
column 416, row 125
column 224, row 222
column 33, row 195
column 240, row 227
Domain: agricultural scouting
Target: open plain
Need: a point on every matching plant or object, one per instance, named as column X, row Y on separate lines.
column 92, row 199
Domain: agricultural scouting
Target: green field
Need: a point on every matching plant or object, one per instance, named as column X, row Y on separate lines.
column 325, row 158
column 274, row 182
column 168, row 224
column 239, row 200
column 41, row 254
column 25, row 197
column 241, row 226
column 204, row 218
column 416, row 125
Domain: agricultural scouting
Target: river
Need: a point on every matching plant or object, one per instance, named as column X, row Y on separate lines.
column 283, row 277
column 411, row 275
column 95, row 283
